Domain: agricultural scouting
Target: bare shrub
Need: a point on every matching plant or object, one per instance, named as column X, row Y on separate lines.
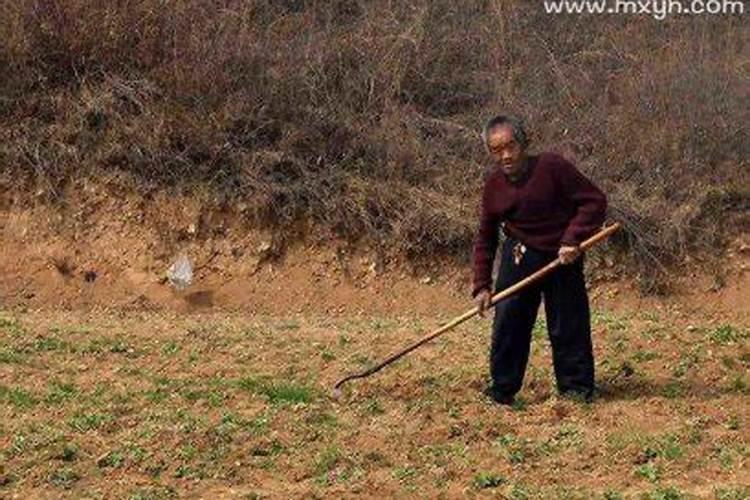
column 362, row 116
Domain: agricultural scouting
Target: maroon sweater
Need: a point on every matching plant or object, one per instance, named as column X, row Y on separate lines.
column 553, row 204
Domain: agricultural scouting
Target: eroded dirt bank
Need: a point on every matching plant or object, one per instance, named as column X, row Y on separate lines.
column 100, row 251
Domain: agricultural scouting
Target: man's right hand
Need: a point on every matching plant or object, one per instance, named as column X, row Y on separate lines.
column 484, row 301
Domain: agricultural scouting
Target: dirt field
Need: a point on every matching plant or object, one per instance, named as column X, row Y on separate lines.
column 156, row 405
column 119, row 387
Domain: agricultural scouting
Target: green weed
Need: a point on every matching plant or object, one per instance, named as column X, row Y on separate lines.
column 170, row 348
column 540, row 329
column 520, row 492
column 667, row 446
column 519, row 404
column 83, row 422
column 612, row 322
column 287, row 392
column 664, row 493
column 654, row 332
column 733, row 423
column 187, row 452
column 277, row 393
column 18, row 397
column 517, row 450
column 726, row 334
column 137, row 454
column 670, row 447
column 12, row 327
column 59, row 392
column 567, row 436
column 184, row 471
column 373, row 407
column 156, row 395
column 686, row 362
column 327, row 460
column 112, row 459
column 485, row 480
column 641, row 356
column 673, row 389
column 258, row 425
column 727, row 458
column 11, row 355
column 404, row 473
column 612, row 495
column 49, row 344
column 648, row 471
column 739, row 385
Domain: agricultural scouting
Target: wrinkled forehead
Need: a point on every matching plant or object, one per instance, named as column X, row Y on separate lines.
column 500, row 135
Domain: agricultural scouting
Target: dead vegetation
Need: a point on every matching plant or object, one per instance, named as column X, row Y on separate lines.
column 361, row 117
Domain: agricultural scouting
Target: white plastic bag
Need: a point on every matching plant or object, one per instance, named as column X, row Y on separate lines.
column 180, row 274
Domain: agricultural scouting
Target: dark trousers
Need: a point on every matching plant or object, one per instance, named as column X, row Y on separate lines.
column 566, row 307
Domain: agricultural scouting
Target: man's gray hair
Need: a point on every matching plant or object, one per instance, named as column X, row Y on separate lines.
column 515, row 124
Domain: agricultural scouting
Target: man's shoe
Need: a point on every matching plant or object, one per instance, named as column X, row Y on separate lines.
column 578, row 396
column 498, row 397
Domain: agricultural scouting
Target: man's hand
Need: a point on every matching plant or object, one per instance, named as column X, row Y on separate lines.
column 483, row 300
column 568, row 254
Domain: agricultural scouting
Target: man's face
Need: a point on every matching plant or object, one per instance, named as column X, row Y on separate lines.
column 505, row 150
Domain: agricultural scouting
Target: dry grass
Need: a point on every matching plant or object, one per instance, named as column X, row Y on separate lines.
column 362, row 116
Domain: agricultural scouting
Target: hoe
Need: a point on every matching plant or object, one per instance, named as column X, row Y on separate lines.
column 601, row 235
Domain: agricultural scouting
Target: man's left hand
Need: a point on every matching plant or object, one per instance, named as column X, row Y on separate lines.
column 568, row 254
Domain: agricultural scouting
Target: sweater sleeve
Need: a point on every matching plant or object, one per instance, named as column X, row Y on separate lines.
column 589, row 201
column 486, row 242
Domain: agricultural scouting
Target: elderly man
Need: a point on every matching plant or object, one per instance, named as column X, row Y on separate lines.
column 546, row 208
